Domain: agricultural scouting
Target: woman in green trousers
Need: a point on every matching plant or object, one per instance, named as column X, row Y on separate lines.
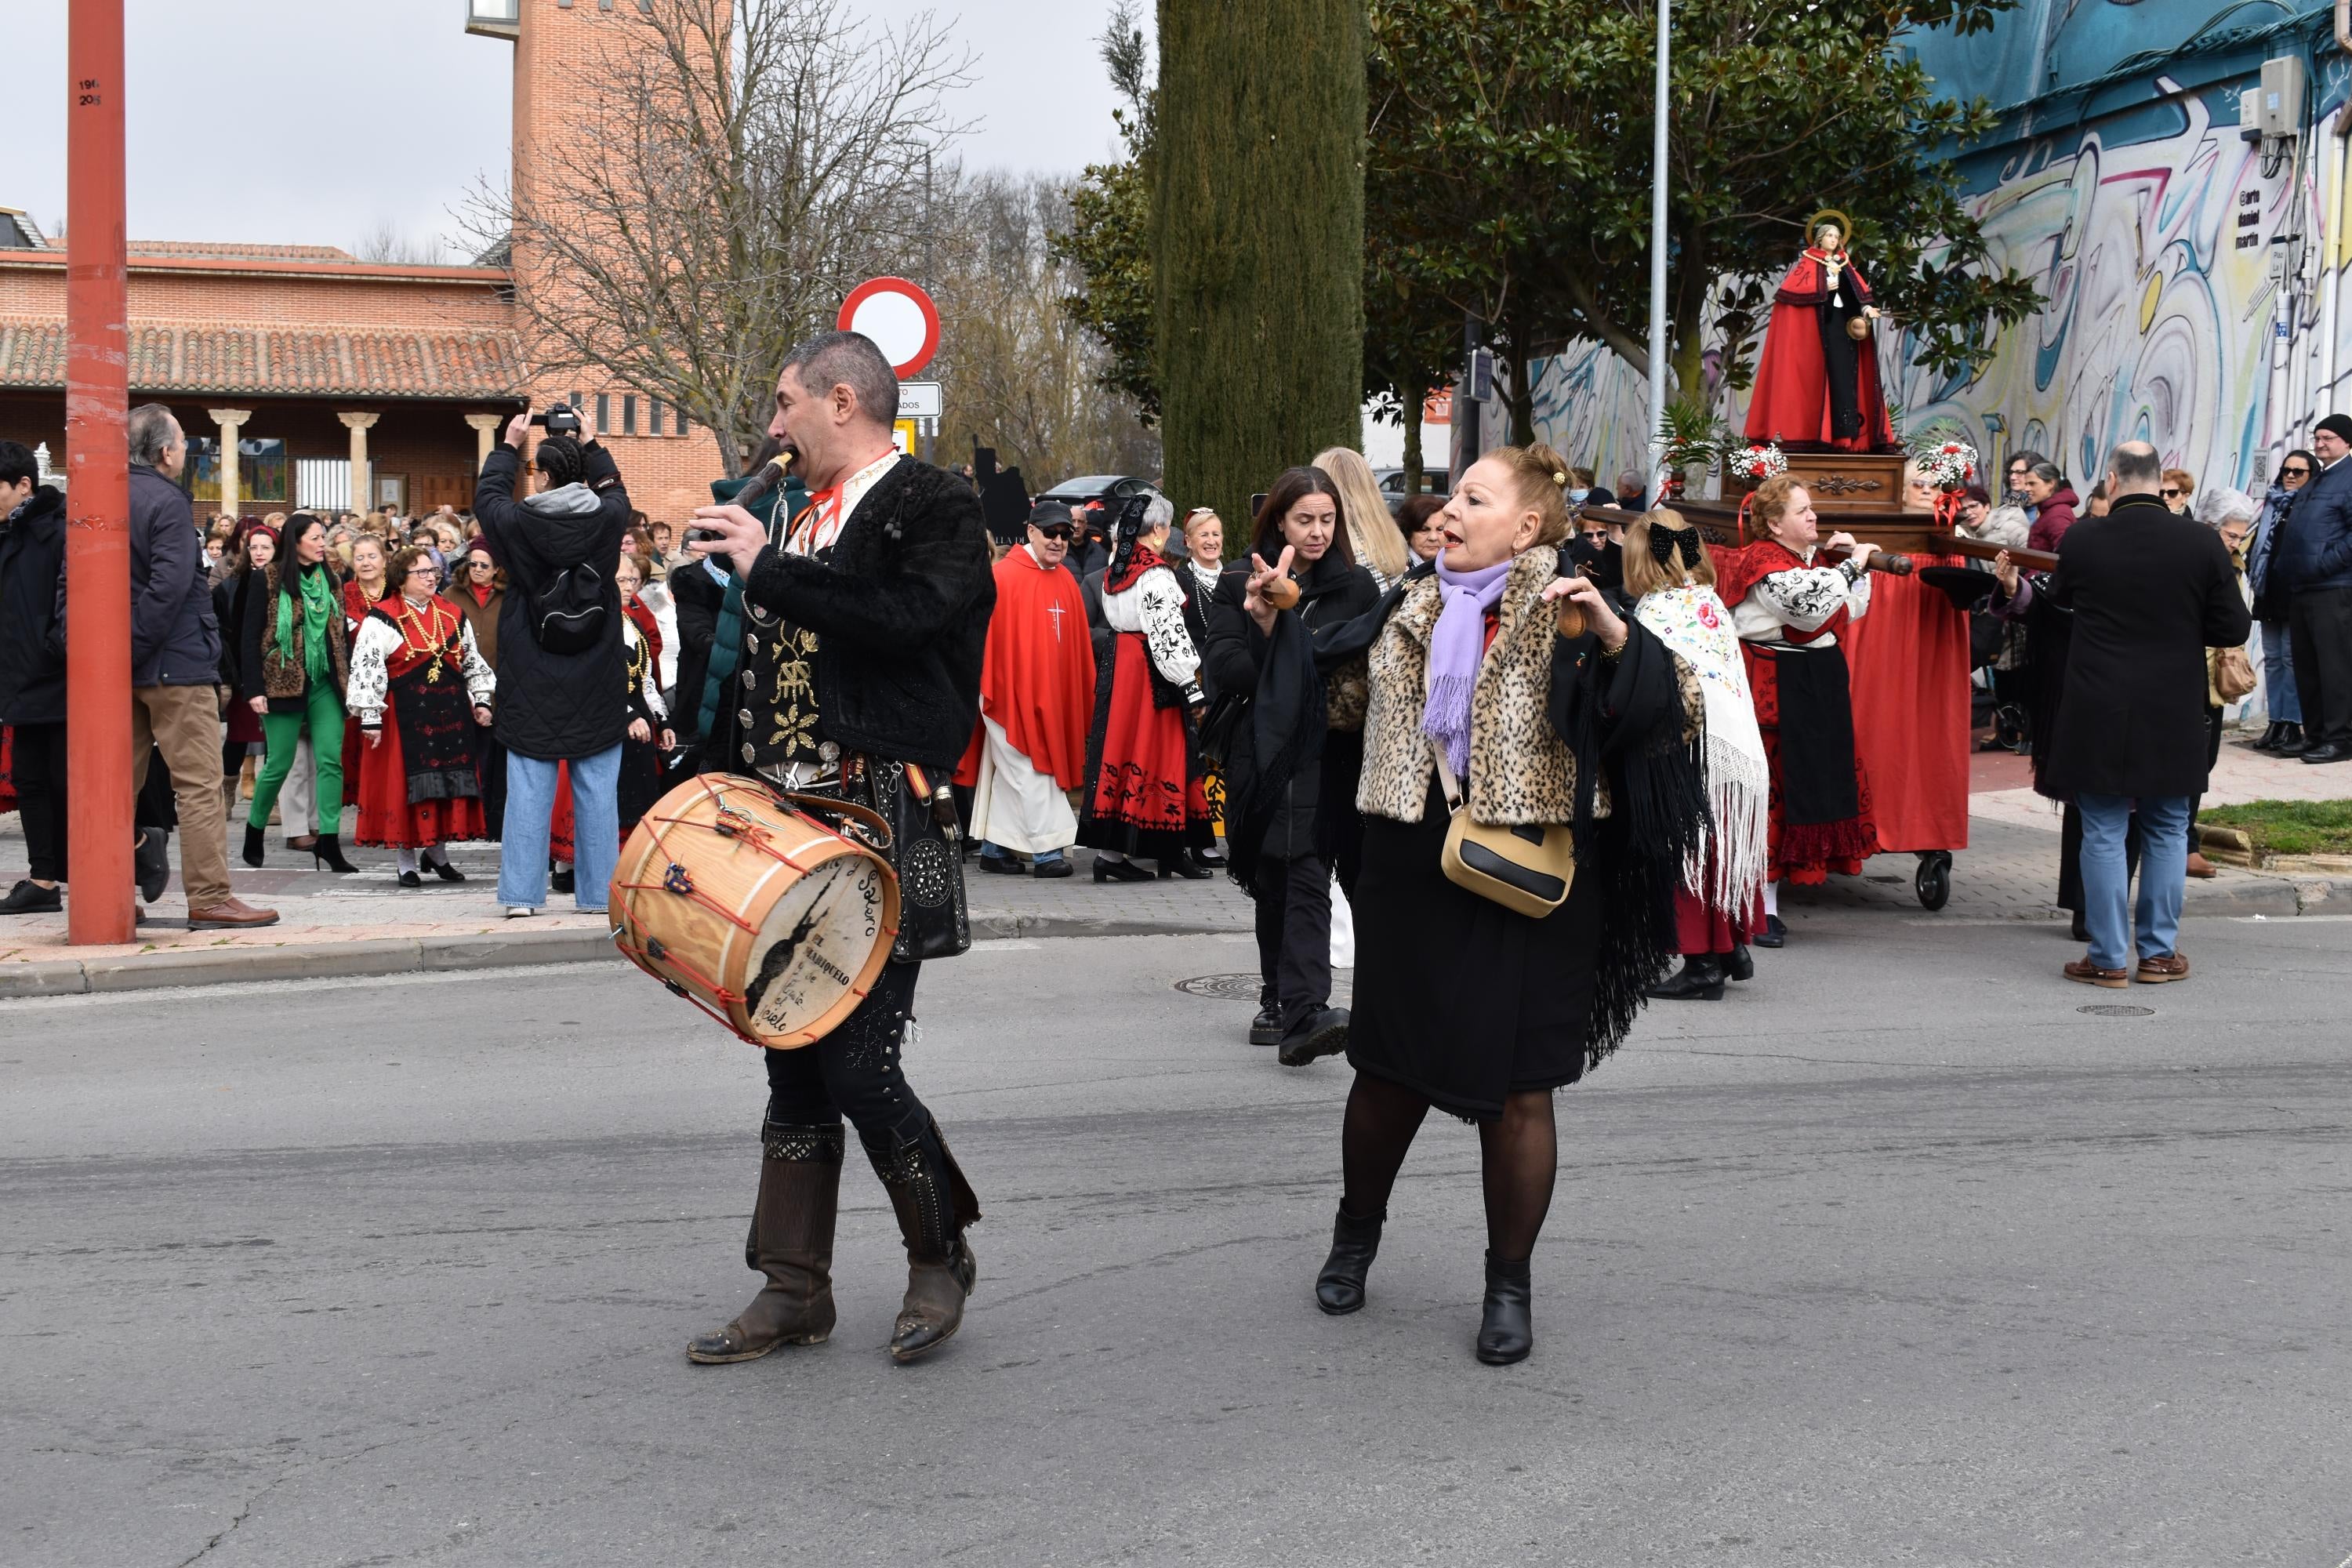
column 296, row 662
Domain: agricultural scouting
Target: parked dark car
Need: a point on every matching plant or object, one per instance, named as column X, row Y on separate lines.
column 1436, row 482
column 1077, row 492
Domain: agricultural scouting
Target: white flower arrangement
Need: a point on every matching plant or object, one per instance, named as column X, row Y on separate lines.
column 1947, row 464
column 1754, row 463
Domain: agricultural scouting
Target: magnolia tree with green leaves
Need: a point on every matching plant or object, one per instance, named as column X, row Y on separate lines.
column 1525, row 130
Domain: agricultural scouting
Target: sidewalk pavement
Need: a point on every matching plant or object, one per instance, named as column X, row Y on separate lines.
column 367, row 925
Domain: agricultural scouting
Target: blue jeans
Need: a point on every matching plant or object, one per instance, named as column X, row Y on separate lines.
column 595, row 829
column 2108, row 909
column 2278, row 675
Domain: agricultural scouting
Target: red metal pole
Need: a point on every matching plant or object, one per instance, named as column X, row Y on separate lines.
column 97, row 534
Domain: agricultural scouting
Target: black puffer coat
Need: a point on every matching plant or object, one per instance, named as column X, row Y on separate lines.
column 553, row 706
column 900, row 609
column 32, row 643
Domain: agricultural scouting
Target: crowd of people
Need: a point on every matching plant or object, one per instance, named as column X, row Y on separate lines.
column 1536, row 741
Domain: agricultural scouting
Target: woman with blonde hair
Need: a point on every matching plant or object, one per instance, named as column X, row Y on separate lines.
column 1483, row 701
column 1372, row 536
column 1670, row 573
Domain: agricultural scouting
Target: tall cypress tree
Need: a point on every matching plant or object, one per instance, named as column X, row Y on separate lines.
column 1258, row 242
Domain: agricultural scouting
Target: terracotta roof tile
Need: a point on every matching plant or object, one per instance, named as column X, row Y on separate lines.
column 236, row 251
column 284, row 362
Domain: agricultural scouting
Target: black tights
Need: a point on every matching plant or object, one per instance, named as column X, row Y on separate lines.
column 1518, row 1158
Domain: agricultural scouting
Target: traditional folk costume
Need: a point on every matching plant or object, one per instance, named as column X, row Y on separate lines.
column 1816, row 386
column 1788, row 613
column 416, row 666
column 1146, row 798
column 481, row 607
column 1720, row 903
column 859, row 675
column 1463, row 1004
column 1036, row 690
column 641, row 760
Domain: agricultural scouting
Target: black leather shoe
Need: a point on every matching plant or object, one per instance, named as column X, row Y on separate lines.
column 2269, row 739
column 1182, row 866
column 560, row 881
column 29, row 898
column 327, row 852
column 1340, row 1288
column 2291, row 742
column 1743, row 963
column 446, row 871
column 1059, row 866
column 1265, row 1029
column 1001, row 866
column 1321, row 1033
column 409, row 879
column 151, row 863
column 1773, row 934
column 252, row 845
column 2081, row 929
column 1700, row 979
column 1506, row 1333
column 1119, row 871
column 2328, row 753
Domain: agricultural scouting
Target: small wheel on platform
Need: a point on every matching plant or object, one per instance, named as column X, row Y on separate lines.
column 1934, row 882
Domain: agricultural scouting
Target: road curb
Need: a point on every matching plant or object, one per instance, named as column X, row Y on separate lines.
column 358, row 958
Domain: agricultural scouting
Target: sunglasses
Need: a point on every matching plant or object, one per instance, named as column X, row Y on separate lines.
column 1056, row 532
column 2298, row 472
column 2172, row 494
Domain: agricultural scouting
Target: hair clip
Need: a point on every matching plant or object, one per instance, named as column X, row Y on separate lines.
column 1559, row 479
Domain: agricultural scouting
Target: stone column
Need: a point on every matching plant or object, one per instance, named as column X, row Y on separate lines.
column 231, row 424
column 359, row 424
column 486, row 435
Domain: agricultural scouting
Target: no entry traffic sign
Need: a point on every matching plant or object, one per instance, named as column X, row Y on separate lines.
column 900, row 319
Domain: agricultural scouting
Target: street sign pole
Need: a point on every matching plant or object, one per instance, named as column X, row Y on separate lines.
column 97, row 534
column 1660, row 350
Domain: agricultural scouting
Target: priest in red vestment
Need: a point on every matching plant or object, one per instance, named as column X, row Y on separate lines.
column 1817, row 384
column 1036, row 692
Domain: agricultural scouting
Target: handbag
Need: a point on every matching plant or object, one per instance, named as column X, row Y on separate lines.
column 2233, row 674
column 926, row 850
column 1527, row 869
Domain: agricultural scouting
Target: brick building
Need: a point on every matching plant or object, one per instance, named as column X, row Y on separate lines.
column 335, row 382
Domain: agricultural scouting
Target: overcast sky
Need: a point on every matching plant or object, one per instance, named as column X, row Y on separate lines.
column 313, row 121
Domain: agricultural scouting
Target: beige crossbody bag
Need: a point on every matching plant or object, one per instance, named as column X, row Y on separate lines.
column 1527, row 870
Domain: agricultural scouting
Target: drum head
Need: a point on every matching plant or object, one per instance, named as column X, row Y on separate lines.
column 813, row 945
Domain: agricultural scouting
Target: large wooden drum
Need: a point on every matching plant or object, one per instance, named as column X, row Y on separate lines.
column 772, row 913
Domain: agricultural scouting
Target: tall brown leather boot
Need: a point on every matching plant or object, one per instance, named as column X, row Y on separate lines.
column 934, row 1203
column 790, row 1242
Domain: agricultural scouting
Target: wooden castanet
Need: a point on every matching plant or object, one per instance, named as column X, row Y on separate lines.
column 772, row 913
column 1280, row 592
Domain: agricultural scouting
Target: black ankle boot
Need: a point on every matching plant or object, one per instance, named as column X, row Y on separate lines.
column 1505, row 1333
column 252, row 836
column 327, row 850
column 1700, row 979
column 1340, row 1288
column 1742, row 966
column 2290, row 743
column 2270, row 737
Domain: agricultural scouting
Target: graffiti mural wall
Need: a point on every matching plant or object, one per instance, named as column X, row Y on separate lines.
column 2148, row 224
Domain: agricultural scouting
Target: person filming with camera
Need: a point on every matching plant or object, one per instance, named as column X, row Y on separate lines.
column 562, row 677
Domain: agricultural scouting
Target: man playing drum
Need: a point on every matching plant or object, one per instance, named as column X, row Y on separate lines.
column 863, row 644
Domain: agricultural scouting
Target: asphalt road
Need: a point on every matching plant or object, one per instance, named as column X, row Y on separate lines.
column 1899, row 1255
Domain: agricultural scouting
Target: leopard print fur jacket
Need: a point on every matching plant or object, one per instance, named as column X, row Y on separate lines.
column 1521, row 771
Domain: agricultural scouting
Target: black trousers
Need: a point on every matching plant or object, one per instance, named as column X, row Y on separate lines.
column 2319, row 627
column 854, row 1072
column 2070, row 856
column 1294, row 935
column 38, row 769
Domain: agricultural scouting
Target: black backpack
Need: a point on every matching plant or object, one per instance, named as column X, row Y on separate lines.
column 568, row 615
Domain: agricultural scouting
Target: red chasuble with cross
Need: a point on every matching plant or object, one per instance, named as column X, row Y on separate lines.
column 1038, row 680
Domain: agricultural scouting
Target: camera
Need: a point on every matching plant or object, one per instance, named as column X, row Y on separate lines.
column 561, row 419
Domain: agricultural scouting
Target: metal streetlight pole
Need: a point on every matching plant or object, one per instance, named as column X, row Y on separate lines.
column 98, row 512
column 1658, row 346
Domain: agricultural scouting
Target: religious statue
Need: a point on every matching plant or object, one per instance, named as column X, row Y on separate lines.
column 1816, row 380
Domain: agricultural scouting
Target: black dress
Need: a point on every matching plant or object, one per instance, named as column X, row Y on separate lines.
column 1463, row 1002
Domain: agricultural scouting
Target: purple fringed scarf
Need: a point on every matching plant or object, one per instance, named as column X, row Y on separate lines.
column 1456, row 646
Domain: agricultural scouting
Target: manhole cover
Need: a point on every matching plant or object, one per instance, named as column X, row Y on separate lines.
column 2116, row 1010
column 1221, row 987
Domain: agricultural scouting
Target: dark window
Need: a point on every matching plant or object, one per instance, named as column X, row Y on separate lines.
column 654, row 418
column 578, row 404
column 629, row 415
column 604, row 412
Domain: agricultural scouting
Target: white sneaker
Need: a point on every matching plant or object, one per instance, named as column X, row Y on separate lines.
column 520, row 912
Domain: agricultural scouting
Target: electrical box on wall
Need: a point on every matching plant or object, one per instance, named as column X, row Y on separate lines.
column 2283, row 91
column 2250, row 113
